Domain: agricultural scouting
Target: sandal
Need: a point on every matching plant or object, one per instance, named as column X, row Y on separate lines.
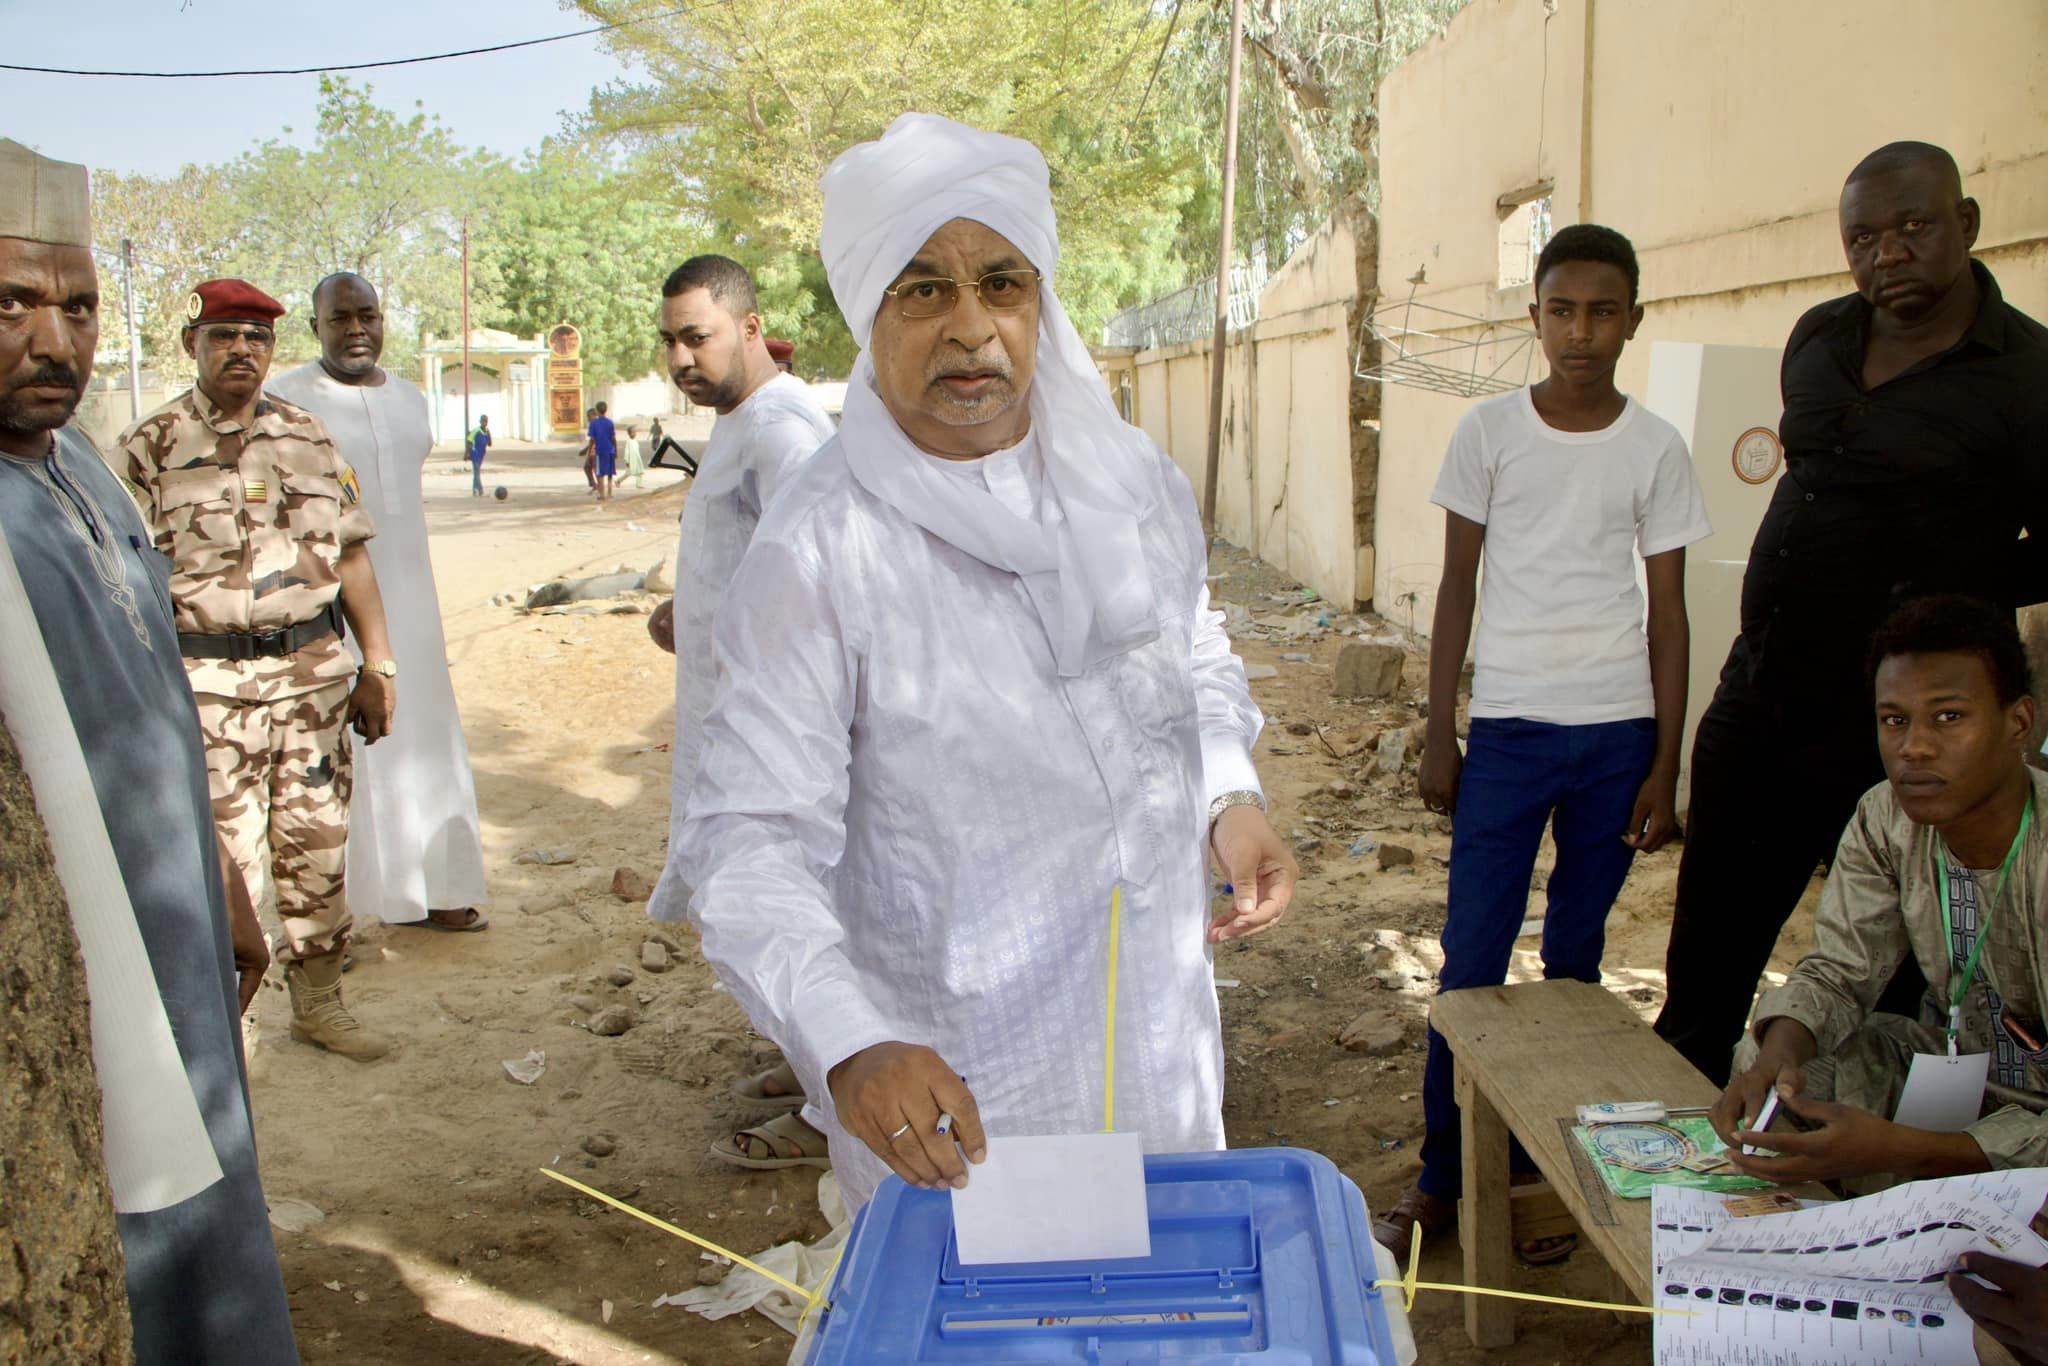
column 1547, row 1246
column 755, row 1093
column 1416, row 1208
column 472, row 921
column 783, row 1142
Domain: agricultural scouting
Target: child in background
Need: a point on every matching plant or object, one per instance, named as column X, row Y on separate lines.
column 1577, row 708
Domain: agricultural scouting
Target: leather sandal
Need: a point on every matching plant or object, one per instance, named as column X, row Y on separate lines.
column 1416, row 1208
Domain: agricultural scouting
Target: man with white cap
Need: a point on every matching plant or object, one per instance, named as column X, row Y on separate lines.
column 969, row 683
column 93, row 689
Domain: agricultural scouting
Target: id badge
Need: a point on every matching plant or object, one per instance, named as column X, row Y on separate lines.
column 1944, row 1093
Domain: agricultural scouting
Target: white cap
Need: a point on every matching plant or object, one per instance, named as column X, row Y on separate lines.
column 43, row 200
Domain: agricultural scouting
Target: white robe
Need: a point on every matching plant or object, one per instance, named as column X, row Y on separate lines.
column 753, row 452
column 907, row 823
column 413, row 838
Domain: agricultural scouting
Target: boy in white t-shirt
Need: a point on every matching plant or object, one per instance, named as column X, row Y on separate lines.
column 1576, row 706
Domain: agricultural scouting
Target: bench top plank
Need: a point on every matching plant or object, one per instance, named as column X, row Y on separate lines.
column 1539, row 1050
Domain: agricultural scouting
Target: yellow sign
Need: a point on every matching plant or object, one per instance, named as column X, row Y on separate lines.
column 565, row 381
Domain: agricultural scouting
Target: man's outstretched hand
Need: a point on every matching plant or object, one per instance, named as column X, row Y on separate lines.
column 890, row 1097
column 2015, row 1312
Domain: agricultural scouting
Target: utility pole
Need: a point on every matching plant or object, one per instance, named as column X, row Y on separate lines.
column 465, row 328
column 1223, row 241
column 134, row 339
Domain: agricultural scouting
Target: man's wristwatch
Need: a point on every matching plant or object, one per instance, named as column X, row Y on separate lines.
column 1243, row 796
column 387, row 667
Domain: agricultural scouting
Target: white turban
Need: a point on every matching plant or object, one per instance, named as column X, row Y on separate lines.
column 883, row 201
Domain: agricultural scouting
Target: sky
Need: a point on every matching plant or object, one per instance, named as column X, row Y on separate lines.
column 506, row 102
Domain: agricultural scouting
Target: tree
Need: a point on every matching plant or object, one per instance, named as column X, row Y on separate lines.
column 63, row 1287
column 565, row 240
column 378, row 195
column 182, row 233
column 744, row 104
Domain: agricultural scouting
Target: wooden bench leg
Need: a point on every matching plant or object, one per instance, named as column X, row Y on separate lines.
column 1489, row 1322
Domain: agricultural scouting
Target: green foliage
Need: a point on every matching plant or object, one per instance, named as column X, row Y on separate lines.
column 744, row 104
column 377, row 194
column 182, row 234
column 561, row 239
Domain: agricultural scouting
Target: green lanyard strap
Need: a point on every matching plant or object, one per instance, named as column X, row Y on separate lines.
column 1960, row 985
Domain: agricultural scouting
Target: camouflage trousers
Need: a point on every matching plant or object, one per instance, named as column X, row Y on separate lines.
column 280, row 774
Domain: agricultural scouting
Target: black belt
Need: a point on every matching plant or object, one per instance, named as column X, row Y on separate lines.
column 262, row 644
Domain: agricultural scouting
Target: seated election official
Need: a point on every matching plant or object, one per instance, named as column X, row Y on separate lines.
column 1945, row 861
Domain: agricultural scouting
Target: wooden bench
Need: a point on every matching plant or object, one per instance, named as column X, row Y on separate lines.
column 1527, row 1057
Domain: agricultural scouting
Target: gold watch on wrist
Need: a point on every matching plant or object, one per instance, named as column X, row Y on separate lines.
column 387, row 668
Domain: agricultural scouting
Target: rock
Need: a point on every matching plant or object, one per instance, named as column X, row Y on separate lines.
column 548, row 857
column 619, row 975
column 1369, row 669
column 1395, row 856
column 1376, row 1033
column 612, row 1021
column 1300, row 728
column 667, row 942
column 584, row 1002
column 629, row 884
column 659, row 580
column 600, row 1145
column 1341, row 790
column 294, row 1216
column 1254, row 672
column 654, row 958
column 1392, row 754
column 710, row 1274
column 1294, row 659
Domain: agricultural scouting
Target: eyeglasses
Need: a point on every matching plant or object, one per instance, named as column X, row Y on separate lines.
column 934, row 296
column 222, row 338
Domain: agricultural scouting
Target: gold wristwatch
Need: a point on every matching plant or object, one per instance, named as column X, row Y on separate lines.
column 387, row 667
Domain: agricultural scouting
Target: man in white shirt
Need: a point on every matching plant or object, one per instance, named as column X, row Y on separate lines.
column 969, row 683
column 415, row 846
column 1577, row 709
column 768, row 425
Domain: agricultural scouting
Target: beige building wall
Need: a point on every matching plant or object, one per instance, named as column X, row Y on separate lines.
column 1715, row 134
column 1284, row 486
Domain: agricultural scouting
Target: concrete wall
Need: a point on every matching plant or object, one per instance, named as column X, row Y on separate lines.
column 1716, row 134
column 1285, row 481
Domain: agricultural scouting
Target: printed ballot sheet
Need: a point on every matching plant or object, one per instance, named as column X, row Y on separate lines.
column 1841, row 1284
column 1064, row 1198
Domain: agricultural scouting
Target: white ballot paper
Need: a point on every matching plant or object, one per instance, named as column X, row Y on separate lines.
column 1057, row 1198
column 1943, row 1094
column 1857, row 1283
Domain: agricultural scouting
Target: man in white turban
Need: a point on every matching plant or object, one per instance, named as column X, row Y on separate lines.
column 970, row 682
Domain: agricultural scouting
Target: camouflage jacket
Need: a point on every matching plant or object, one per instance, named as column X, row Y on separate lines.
column 254, row 520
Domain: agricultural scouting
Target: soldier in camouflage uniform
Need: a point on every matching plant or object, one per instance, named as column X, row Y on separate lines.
column 263, row 522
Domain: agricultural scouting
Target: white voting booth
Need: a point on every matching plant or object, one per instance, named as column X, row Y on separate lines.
column 1724, row 402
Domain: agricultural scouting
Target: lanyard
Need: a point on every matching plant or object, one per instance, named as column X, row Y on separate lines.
column 1961, row 987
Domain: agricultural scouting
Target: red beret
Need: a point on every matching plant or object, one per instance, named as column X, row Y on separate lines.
column 781, row 350
column 230, row 301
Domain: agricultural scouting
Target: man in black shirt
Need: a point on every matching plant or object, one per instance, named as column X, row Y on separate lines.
column 1916, row 451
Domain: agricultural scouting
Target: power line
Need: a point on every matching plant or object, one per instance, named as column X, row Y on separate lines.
column 365, row 66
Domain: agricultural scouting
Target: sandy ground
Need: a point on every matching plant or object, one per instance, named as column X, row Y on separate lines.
column 442, row 1243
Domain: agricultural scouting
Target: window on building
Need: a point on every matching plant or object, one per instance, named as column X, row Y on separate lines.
column 1524, row 230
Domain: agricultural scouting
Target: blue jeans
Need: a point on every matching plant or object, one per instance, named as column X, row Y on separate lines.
column 476, row 478
column 1519, row 776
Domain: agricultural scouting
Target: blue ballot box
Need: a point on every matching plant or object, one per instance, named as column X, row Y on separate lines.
column 1261, row 1255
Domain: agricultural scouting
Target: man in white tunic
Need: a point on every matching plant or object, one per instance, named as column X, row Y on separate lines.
column 768, row 424
column 969, row 681
column 414, row 852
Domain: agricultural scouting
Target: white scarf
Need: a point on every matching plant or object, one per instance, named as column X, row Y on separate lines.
column 883, row 201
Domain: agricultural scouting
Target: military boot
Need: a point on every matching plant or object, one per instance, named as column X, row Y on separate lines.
column 318, row 1015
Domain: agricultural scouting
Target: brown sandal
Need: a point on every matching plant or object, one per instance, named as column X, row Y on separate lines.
column 1416, row 1208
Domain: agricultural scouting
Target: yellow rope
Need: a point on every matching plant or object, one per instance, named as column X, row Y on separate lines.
column 811, row 1298
column 1116, row 914
column 1408, row 1285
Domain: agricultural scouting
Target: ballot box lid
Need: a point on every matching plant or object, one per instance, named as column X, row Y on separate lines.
column 1261, row 1254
